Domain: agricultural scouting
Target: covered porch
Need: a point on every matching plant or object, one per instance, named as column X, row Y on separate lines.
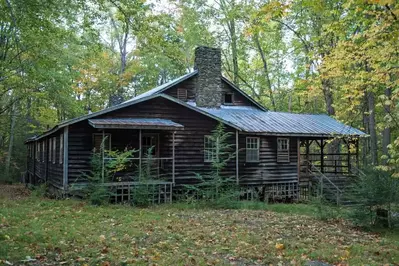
column 327, row 165
column 151, row 163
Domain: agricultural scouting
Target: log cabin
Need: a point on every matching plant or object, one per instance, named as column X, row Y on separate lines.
column 278, row 154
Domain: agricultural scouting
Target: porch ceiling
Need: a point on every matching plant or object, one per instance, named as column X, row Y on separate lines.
column 135, row 123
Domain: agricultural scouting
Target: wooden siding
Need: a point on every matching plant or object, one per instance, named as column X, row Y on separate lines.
column 189, row 85
column 189, row 143
column 43, row 170
column 267, row 170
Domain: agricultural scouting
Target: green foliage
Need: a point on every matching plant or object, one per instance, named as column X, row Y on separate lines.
column 215, row 187
column 39, row 191
column 102, row 171
column 325, row 211
column 376, row 195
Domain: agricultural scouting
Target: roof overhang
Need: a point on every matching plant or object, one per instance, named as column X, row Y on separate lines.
column 305, row 135
column 135, row 123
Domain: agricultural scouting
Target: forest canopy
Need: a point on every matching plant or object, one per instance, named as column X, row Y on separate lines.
column 66, row 58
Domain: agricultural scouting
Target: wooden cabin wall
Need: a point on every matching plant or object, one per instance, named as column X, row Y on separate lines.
column 189, row 143
column 55, row 170
column 41, row 162
column 80, row 146
column 267, row 170
column 189, row 85
column 43, row 170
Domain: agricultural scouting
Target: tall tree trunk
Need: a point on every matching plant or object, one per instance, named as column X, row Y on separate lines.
column 234, row 50
column 373, row 133
column 11, row 142
column 266, row 70
column 366, row 126
column 386, row 133
column 328, row 96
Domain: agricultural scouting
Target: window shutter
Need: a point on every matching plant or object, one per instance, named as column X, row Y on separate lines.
column 182, row 94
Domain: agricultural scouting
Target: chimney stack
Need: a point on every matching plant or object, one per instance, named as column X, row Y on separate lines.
column 208, row 90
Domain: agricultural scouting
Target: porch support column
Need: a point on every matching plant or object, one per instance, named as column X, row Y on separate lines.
column 357, row 154
column 102, row 157
column 237, row 159
column 140, row 168
column 322, row 155
column 349, row 156
column 173, row 157
column 307, row 144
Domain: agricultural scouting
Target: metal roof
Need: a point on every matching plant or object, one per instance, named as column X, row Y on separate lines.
column 135, row 123
column 253, row 120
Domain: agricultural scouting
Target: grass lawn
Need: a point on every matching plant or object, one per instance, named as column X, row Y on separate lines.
column 72, row 232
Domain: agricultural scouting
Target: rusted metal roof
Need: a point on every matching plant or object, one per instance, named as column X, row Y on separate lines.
column 253, row 120
column 135, row 123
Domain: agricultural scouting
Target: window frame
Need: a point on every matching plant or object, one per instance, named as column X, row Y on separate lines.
column 247, row 157
column 54, row 152
column 232, row 98
column 209, row 151
column 280, row 150
column 43, row 151
column 61, row 156
column 50, row 149
column 37, row 151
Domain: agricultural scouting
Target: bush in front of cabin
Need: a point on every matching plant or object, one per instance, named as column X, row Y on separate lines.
column 216, row 188
column 103, row 170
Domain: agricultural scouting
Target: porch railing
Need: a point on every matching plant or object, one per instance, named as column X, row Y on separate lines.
column 326, row 185
column 143, row 169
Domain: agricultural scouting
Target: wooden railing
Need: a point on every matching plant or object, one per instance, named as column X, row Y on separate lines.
column 323, row 180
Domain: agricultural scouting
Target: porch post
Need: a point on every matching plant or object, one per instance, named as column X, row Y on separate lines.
column 173, row 157
column 322, row 155
column 349, row 155
column 102, row 155
column 307, row 144
column 357, row 153
column 140, row 155
column 237, row 159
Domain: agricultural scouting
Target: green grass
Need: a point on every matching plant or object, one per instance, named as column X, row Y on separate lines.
column 73, row 232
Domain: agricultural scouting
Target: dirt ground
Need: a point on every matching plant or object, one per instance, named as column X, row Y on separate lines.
column 15, row 192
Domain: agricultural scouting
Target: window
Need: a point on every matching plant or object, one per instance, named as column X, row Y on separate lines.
column 37, row 151
column 182, row 94
column 98, row 140
column 61, row 148
column 209, row 149
column 149, row 141
column 283, row 152
column 43, row 150
column 228, row 98
column 252, row 149
column 54, row 149
column 50, row 150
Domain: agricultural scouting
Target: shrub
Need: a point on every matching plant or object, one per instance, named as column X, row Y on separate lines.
column 216, row 188
column 376, row 195
column 102, row 171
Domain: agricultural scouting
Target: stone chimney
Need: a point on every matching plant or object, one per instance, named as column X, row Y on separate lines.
column 208, row 89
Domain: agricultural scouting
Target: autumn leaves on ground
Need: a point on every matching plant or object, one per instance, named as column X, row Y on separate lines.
column 49, row 232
